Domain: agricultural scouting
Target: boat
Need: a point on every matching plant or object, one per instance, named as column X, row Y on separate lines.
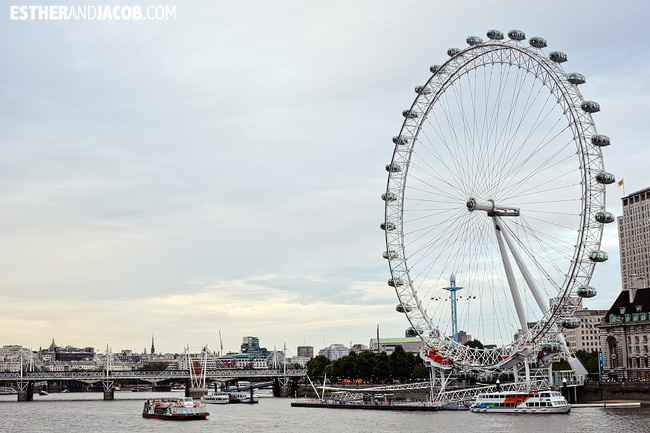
column 42, row 392
column 521, row 402
column 142, row 389
column 178, row 388
column 243, row 397
column 178, row 408
column 216, row 398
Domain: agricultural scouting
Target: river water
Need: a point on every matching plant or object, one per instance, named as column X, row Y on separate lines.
column 87, row 412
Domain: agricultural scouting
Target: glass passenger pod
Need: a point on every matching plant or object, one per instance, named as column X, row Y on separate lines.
column 395, row 282
column 451, row 52
column 590, row 106
column 412, row 332
column 495, row 35
column 516, row 35
column 604, row 217
column 570, row 322
column 586, row 292
column 422, row 90
column 390, row 254
column 558, row 56
column 551, row 347
column 389, row 226
column 436, row 68
column 388, row 196
column 410, row 114
column 576, row 78
column 600, row 140
column 537, row 42
column 401, row 308
column 393, row 168
column 598, row 256
column 474, row 40
column 605, row 178
column 401, row 139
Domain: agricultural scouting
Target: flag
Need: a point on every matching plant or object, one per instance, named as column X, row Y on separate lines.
column 620, row 182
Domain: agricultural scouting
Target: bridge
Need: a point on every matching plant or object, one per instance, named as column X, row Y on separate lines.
column 196, row 377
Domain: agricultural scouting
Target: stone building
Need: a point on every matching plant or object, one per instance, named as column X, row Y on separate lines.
column 625, row 335
column 634, row 240
column 587, row 336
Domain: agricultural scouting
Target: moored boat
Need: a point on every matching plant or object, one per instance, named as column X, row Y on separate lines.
column 179, row 408
column 521, row 402
column 216, row 398
column 243, row 397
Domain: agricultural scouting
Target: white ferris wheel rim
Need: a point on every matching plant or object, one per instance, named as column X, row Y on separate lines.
column 569, row 99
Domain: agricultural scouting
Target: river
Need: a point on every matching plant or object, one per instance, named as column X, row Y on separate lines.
column 87, row 412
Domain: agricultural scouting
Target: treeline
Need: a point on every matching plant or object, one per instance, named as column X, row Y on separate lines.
column 368, row 366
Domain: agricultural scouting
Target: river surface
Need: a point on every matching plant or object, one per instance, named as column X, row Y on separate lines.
column 87, row 412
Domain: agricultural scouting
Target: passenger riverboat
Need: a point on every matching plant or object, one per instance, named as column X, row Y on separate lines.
column 216, row 398
column 178, row 408
column 521, row 402
column 243, row 397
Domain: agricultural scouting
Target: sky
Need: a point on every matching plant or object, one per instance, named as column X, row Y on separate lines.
column 221, row 170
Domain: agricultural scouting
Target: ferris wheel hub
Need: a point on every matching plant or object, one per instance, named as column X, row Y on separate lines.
column 491, row 208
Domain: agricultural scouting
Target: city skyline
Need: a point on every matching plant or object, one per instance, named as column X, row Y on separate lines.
column 192, row 176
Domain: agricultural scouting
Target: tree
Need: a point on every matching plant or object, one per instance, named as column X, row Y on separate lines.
column 476, row 344
column 381, row 371
column 420, row 372
column 365, row 364
column 400, row 367
column 316, row 366
column 589, row 360
column 153, row 366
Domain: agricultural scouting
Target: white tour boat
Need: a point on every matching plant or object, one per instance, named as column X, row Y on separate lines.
column 521, row 402
column 243, row 397
column 216, row 398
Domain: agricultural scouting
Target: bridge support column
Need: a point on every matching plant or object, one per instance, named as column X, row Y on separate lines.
column 109, row 391
column 25, row 391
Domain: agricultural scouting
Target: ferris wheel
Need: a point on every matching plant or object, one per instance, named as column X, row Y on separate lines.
column 495, row 203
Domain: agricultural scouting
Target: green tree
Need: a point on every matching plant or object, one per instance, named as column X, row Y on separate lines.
column 589, row 360
column 420, row 372
column 400, row 368
column 365, row 364
column 316, row 366
column 381, row 371
column 476, row 344
column 153, row 366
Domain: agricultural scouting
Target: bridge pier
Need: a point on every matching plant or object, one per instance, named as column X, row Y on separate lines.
column 25, row 391
column 109, row 394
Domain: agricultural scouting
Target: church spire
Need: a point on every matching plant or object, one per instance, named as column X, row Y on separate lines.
column 153, row 348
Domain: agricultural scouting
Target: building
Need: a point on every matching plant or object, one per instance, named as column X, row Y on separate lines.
column 587, row 336
column 634, row 240
column 464, row 337
column 625, row 335
column 306, row 351
column 358, row 348
column 252, row 345
column 334, row 351
column 388, row 345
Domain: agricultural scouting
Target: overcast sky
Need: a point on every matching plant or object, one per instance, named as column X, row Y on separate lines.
column 223, row 170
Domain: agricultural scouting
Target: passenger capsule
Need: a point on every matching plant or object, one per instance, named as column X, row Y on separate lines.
column 451, row 52
column 551, row 347
column 401, row 308
column 586, row 292
column 605, row 178
column 388, row 196
column 422, row 90
column 395, row 282
column 570, row 322
column 393, row 168
column 435, row 68
column 600, row 140
column 390, row 254
column 590, row 106
column 598, row 256
column 474, row 40
column 576, row 78
column 537, row 42
column 412, row 332
column 495, row 35
column 401, row 139
column 558, row 56
column 604, row 217
column 516, row 35
column 389, row 226
column 410, row 114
